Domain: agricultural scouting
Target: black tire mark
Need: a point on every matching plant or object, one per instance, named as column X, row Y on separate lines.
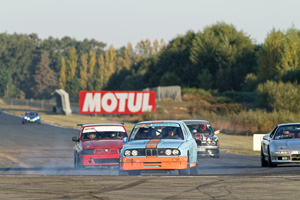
column 177, row 196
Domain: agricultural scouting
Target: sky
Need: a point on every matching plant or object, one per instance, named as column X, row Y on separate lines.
column 117, row 22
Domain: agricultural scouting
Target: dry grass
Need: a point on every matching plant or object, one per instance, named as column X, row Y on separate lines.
column 237, row 144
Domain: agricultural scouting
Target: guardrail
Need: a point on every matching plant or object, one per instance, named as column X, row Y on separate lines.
column 38, row 103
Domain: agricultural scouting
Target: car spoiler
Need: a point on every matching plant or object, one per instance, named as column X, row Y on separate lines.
column 107, row 123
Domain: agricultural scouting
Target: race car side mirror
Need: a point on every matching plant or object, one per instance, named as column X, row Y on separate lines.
column 266, row 137
column 217, row 132
column 75, row 139
column 125, row 139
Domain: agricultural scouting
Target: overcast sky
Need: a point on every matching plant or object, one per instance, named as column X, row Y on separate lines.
column 116, row 22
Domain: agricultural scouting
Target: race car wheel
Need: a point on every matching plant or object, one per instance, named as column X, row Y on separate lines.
column 270, row 164
column 123, row 173
column 194, row 170
column 217, row 156
column 75, row 162
column 134, row 172
column 263, row 162
column 77, row 165
column 186, row 171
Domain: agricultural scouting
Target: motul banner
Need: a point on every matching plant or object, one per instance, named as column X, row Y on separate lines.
column 116, row 102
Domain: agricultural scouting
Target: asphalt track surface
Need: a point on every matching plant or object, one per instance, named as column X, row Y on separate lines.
column 36, row 162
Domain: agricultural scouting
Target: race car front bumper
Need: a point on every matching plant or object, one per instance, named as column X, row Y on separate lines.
column 92, row 160
column 153, row 162
column 208, row 151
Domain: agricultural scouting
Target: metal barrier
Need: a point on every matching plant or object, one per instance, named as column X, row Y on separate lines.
column 38, row 103
column 166, row 92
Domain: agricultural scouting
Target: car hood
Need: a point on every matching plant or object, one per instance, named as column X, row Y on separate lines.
column 290, row 144
column 103, row 144
column 164, row 143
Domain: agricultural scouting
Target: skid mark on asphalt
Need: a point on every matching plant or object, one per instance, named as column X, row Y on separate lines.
column 23, row 165
column 95, row 194
column 198, row 188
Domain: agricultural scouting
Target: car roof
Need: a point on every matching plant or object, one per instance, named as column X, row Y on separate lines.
column 101, row 124
column 161, row 121
column 196, row 121
column 288, row 124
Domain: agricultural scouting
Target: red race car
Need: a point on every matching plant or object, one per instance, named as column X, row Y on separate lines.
column 99, row 144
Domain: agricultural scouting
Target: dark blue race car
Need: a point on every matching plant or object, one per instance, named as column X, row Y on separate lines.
column 32, row 117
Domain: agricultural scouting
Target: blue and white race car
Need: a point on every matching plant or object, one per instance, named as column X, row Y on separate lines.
column 32, row 117
column 159, row 145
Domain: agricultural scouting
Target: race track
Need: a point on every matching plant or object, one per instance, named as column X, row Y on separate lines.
column 38, row 159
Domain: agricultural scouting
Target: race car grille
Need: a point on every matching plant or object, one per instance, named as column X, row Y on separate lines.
column 100, row 161
column 151, row 152
column 106, row 151
column 296, row 157
column 88, row 151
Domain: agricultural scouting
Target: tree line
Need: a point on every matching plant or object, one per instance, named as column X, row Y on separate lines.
column 219, row 57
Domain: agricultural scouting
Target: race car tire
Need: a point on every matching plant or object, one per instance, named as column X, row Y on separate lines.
column 123, row 173
column 194, row 170
column 77, row 165
column 186, row 171
column 270, row 163
column 75, row 162
column 134, row 172
column 263, row 162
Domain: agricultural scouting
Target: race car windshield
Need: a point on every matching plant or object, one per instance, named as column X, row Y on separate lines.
column 31, row 114
column 103, row 135
column 200, row 129
column 288, row 132
column 156, row 131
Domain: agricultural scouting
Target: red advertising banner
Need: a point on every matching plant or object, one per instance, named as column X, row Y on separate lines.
column 116, row 102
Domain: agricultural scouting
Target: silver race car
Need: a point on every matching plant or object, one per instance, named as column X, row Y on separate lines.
column 281, row 146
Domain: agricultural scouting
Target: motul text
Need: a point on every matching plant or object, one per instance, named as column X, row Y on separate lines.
column 116, row 102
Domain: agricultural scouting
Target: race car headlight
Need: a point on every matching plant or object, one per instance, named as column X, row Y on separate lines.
column 127, row 153
column 175, row 152
column 282, row 152
column 213, row 143
column 134, row 152
column 168, row 152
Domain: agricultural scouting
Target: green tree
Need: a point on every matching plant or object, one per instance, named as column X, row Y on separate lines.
column 45, row 79
column 226, row 53
column 101, row 75
column 83, row 71
column 91, row 68
column 279, row 96
column 71, row 63
column 279, row 54
column 62, row 75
